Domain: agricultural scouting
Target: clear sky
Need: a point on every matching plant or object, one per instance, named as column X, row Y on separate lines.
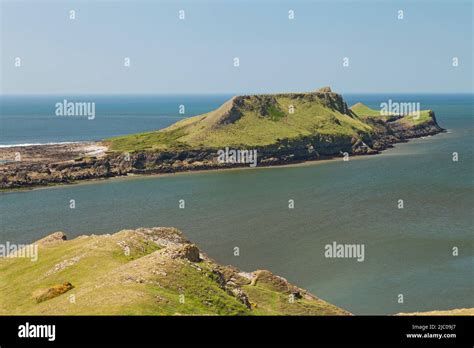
column 195, row 55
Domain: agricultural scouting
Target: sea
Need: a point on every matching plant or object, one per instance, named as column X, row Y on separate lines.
column 411, row 207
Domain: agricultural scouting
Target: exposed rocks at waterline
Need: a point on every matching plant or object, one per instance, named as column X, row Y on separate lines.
column 62, row 164
column 304, row 126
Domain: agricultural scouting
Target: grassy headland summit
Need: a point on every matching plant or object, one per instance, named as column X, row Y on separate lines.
column 281, row 128
column 148, row 271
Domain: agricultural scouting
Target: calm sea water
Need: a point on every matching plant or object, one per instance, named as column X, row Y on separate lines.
column 32, row 120
column 407, row 251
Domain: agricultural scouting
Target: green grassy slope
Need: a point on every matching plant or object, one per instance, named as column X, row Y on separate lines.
column 252, row 121
column 143, row 272
column 261, row 120
column 363, row 111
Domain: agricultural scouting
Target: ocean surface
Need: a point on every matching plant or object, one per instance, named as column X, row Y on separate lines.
column 408, row 251
column 33, row 120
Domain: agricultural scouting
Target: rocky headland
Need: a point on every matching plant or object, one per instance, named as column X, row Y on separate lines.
column 281, row 128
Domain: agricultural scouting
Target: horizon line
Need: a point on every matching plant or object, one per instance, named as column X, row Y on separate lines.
column 219, row 93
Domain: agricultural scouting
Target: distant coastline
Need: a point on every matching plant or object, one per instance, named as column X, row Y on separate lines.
column 40, row 144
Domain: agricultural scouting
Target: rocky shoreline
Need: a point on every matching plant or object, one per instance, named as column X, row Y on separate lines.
column 43, row 165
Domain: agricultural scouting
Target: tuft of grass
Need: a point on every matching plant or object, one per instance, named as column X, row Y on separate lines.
column 275, row 113
column 56, row 290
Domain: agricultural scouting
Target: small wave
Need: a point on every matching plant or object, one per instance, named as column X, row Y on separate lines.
column 39, row 144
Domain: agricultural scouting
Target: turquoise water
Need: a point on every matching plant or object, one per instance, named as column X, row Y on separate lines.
column 407, row 251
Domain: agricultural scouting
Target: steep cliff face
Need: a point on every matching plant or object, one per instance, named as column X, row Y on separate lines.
column 281, row 128
column 267, row 106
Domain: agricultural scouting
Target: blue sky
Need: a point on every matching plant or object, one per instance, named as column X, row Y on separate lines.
column 168, row 55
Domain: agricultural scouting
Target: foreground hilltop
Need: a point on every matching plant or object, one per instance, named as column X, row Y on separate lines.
column 278, row 128
column 148, row 271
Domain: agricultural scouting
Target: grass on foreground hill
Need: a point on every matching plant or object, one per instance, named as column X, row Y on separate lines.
column 142, row 272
